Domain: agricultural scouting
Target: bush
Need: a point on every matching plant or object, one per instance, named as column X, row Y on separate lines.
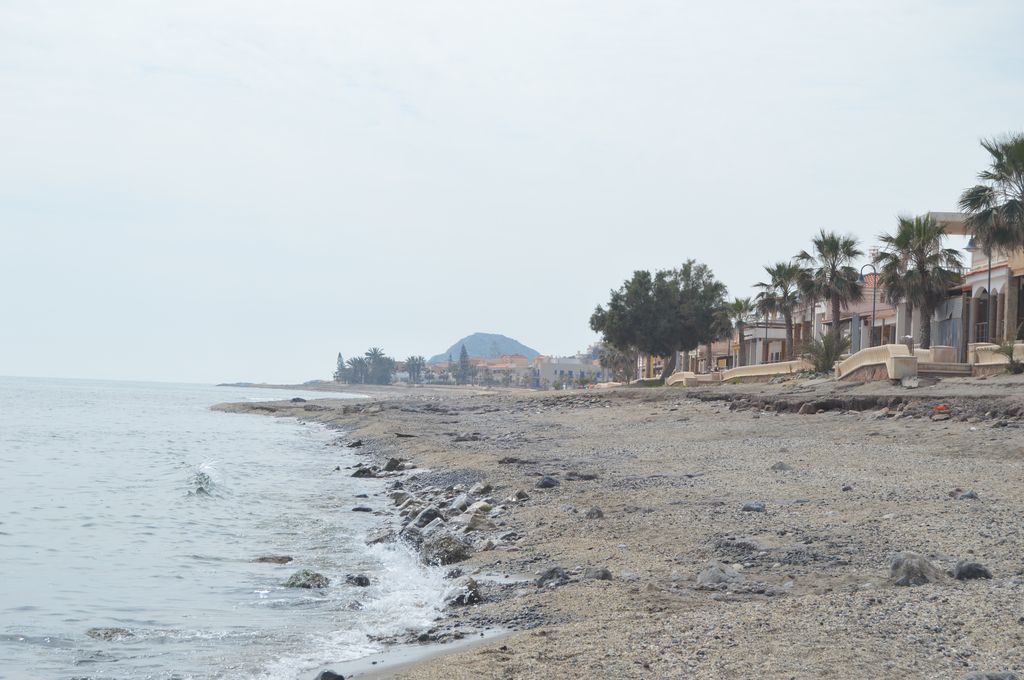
column 825, row 352
column 1015, row 366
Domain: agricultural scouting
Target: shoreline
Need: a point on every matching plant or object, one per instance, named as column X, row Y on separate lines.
column 669, row 469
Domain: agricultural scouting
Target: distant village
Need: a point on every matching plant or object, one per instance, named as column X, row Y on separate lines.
column 509, row 370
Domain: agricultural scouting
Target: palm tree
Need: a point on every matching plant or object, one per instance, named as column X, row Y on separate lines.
column 830, row 274
column 739, row 310
column 781, row 295
column 720, row 328
column 915, row 267
column 414, row 367
column 360, row 368
column 995, row 208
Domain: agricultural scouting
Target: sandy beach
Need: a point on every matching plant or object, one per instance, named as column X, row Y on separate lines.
column 704, row 533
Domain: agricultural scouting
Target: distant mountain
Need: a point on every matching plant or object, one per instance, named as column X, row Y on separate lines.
column 485, row 346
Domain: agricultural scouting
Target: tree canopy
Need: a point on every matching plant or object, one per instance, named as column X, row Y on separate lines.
column 663, row 313
column 995, row 207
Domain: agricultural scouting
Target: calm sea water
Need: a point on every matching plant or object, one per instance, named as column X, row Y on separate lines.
column 133, row 505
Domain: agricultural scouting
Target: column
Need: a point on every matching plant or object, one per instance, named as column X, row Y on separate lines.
column 972, row 321
column 901, row 323
column 992, row 304
column 854, row 333
column 1012, row 295
column 1000, row 302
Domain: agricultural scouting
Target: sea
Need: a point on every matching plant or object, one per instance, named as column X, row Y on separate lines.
column 133, row 505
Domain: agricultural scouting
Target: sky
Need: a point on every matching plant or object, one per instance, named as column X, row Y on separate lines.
column 207, row 190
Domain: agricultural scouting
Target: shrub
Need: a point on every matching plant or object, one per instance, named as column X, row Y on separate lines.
column 825, row 352
column 1015, row 366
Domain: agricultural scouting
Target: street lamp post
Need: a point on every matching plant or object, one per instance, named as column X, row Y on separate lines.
column 766, row 338
column 874, row 290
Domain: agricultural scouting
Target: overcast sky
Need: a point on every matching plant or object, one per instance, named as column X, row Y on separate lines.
column 201, row 190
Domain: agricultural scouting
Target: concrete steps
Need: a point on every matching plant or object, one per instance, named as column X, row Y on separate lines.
column 943, row 370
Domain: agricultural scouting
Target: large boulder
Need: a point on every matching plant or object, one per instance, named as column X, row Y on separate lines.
column 445, row 547
column 554, row 576
column 911, row 569
column 464, row 591
column 385, row 535
column 474, row 521
column 306, row 578
column 330, row 675
column 716, row 574
column 548, row 482
column 460, row 503
column 359, row 580
column 597, row 574
column 966, row 571
column 426, row 516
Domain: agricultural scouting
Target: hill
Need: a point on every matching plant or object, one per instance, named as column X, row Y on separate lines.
column 485, row 346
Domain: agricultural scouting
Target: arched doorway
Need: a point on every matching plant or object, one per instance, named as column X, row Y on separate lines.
column 981, row 320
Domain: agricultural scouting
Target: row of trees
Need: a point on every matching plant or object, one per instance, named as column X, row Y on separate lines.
column 373, row 368
column 677, row 310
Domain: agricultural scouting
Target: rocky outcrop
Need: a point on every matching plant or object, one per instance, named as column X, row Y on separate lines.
column 445, row 548
column 464, row 591
column 273, row 559
column 966, row 571
column 716, row 574
column 555, row 576
column 548, row 482
column 358, row 580
column 306, row 578
column 911, row 569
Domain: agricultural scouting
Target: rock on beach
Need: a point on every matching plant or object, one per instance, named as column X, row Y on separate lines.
column 911, row 569
column 306, row 578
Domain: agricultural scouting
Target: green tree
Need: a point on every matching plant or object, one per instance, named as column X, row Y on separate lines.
column 340, row 369
column 995, row 208
column 414, row 367
column 829, row 273
column 662, row 313
column 359, row 370
column 780, row 295
column 913, row 266
column 703, row 316
column 739, row 310
column 622, row 363
column 379, row 366
column 464, row 372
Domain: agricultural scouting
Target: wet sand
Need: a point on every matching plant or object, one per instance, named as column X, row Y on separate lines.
column 843, row 491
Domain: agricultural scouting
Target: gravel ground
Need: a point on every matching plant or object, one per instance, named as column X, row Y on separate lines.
column 807, row 591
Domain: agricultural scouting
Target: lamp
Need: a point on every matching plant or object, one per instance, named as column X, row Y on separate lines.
column 971, row 246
